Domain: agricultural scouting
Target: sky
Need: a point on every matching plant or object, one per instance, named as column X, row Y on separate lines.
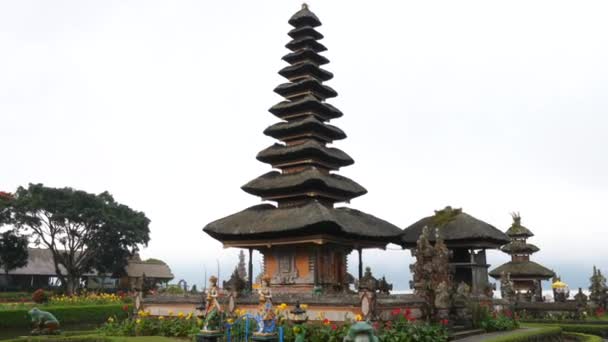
column 489, row 106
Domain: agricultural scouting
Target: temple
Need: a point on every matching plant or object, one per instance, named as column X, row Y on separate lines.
column 526, row 275
column 304, row 238
column 467, row 238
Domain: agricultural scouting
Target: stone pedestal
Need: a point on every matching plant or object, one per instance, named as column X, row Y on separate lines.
column 209, row 337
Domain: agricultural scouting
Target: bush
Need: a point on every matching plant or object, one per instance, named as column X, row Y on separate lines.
column 66, row 314
column 583, row 337
column 39, row 296
column 546, row 334
column 590, row 329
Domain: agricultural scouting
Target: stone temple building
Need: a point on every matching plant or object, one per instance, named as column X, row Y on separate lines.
column 525, row 274
column 467, row 238
column 305, row 237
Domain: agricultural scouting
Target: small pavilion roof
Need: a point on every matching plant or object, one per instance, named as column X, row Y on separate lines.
column 519, row 247
column 517, row 230
column 522, row 269
column 457, row 229
column 267, row 221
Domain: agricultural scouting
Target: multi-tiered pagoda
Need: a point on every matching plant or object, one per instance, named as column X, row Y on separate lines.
column 525, row 274
column 304, row 238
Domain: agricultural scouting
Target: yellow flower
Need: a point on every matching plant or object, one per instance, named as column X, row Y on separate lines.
column 180, row 315
column 230, row 320
column 358, row 318
column 189, row 316
column 160, row 318
column 296, row 329
column 304, row 306
column 283, row 306
column 110, row 319
column 138, row 321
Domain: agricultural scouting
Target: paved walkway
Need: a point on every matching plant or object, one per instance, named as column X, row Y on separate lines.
column 484, row 337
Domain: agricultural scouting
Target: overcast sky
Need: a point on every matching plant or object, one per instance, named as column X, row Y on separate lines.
column 486, row 105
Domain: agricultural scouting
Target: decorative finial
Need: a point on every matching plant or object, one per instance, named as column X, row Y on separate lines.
column 304, row 6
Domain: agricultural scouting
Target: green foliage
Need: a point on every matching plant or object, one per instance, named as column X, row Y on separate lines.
column 583, row 337
column 94, row 338
column 547, row 334
column 82, row 230
column 13, row 250
column 144, row 325
column 66, row 315
column 591, row 329
column 499, row 322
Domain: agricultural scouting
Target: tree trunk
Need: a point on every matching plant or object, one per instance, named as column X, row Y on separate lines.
column 72, row 284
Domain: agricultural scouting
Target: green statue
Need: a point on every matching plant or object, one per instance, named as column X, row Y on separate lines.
column 44, row 322
column 361, row 332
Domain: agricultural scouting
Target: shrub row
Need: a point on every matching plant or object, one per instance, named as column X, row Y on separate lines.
column 590, row 329
column 66, row 315
column 546, row 334
column 583, row 337
column 92, row 338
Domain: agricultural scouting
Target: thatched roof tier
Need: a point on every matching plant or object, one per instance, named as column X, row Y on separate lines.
column 304, row 17
column 306, row 127
column 305, row 54
column 305, row 43
column 305, row 70
column 518, row 231
column 267, row 221
column 306, row 106
column 459, row 230
column 310, row 152
column 311, row 182
column 305, row 31
column 519, row 247
column 522, row 269
column 305, row 86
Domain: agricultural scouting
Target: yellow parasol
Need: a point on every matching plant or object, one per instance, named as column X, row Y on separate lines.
column 559, row 285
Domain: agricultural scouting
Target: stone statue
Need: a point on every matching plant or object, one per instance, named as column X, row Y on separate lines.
column 506, row 287
column 44, row 322
column 236, row 284
column 213, row 310
column 266, row 317
column 384, row 287
column 368, row 282
column 442, row 296
column 361, row 332
column 463, row 293
column 580, row 298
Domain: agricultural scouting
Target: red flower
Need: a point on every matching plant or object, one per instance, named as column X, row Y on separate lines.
column 444, row 322
column 375, row 325
column 508, row 313
column 125, row 308
column 334, row 327
column 408, row 311
column 326, row 321
column 395, row 312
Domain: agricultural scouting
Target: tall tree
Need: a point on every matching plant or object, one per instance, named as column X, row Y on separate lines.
column 81, row 229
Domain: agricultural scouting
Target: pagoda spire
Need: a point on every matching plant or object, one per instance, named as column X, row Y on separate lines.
column 302, row 155
column 519, row 248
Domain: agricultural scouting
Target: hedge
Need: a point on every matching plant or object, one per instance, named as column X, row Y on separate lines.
column 545, row 334
column 583, row 337
column 590, row 329
column 94, row 338
column 85, row 314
